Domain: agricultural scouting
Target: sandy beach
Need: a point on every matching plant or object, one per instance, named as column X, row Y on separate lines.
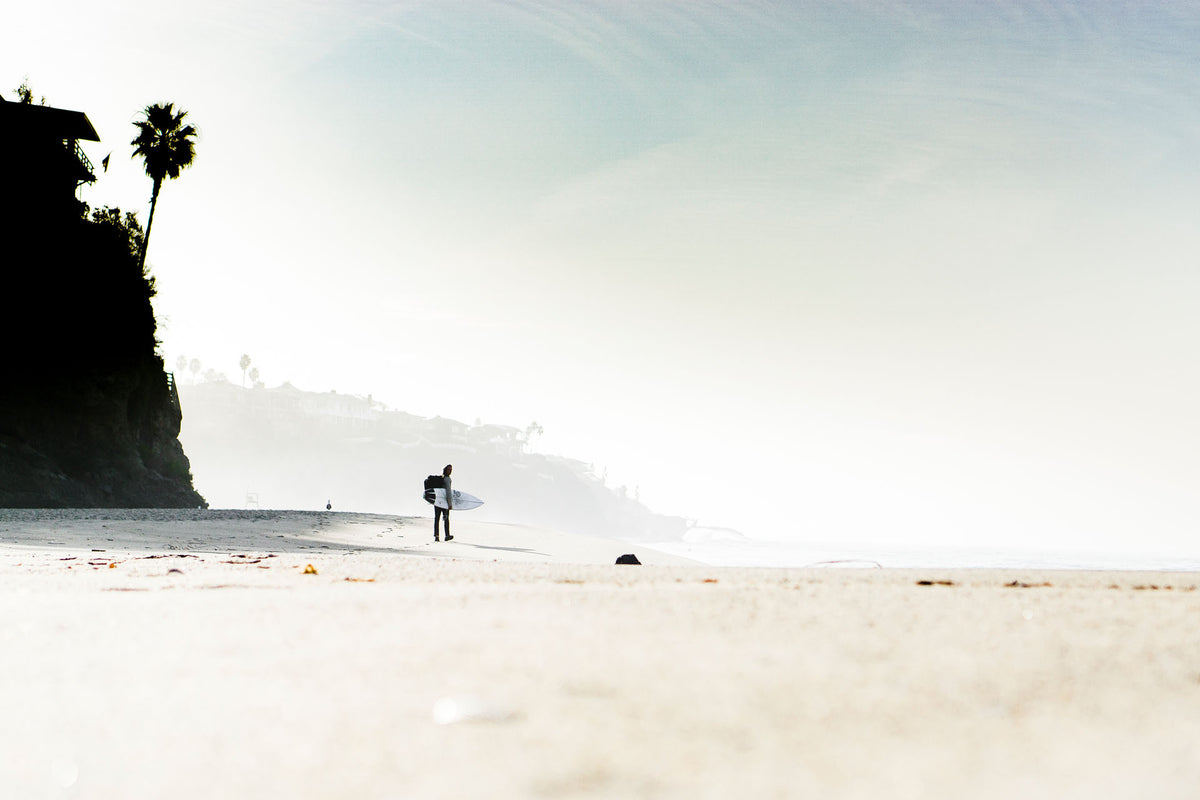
column 307, row 655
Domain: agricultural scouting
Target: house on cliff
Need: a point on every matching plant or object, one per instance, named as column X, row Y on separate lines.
column 43, row 162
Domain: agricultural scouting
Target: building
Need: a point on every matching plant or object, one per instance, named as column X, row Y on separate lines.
column 42, row 162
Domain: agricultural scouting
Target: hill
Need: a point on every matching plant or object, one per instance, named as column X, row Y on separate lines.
column 286, row 448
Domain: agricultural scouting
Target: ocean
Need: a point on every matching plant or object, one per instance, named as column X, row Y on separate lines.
column 753, row 553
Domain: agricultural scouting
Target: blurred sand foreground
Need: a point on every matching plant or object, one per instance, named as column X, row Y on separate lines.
column 207, row 663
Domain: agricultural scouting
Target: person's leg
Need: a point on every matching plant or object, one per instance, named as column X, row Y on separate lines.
column 448, row 536
column 437, row 513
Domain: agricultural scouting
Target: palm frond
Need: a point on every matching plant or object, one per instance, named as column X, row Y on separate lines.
column 164, row 142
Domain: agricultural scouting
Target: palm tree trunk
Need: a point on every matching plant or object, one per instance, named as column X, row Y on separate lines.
column 149, row 225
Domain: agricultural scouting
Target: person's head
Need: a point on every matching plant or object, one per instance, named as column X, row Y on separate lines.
column 446, row 472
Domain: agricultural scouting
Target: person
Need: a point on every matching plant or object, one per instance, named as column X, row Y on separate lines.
column 438, row 511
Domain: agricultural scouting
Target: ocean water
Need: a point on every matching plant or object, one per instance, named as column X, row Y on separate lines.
column 752, row 553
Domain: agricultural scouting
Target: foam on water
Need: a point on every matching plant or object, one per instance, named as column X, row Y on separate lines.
column 751, row 553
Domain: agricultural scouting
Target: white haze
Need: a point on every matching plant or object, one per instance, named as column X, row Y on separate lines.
column 853, row 271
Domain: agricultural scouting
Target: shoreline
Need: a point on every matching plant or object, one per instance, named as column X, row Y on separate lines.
column 291, row 531
column 405, row 535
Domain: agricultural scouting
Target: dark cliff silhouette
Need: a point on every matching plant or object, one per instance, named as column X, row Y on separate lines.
column 88, row 415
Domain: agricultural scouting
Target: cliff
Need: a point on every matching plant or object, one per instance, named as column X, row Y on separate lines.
column 88, row 416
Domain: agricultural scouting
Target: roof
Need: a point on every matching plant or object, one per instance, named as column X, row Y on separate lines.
column 57, row 123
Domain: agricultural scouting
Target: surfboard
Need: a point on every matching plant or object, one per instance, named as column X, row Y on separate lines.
column 462, row 500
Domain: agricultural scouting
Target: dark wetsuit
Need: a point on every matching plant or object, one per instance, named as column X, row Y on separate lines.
column 440, row 513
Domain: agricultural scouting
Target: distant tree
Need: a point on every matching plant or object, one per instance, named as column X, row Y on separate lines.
column 254, row 377
column 165, row 145
column 194, row 368
column 244, row 363
column 181, row 364
column 534, row 430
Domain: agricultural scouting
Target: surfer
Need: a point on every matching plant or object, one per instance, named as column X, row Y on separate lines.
column 438, row 512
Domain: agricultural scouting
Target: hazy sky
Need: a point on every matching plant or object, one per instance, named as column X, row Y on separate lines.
column 826, row 271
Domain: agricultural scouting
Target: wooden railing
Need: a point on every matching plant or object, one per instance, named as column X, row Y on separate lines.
column 173, row 390
column 73, row 146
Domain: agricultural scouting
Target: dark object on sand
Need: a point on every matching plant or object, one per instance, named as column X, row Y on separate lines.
column 628, row 558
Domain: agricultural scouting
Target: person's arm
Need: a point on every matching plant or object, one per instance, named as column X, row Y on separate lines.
column 449, row 494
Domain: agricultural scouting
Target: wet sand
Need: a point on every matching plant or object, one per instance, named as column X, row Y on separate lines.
column 155, row 656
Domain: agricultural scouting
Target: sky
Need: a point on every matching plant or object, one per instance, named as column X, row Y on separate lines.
column 909, row 273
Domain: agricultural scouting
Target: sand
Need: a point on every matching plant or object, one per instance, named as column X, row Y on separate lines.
column 165, row 655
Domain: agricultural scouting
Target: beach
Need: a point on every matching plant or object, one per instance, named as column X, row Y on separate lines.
column 257, row 654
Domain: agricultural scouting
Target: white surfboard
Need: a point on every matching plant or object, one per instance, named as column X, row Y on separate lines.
column 462, row 500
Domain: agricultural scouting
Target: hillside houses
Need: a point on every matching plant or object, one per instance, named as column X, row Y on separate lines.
column 347, row 415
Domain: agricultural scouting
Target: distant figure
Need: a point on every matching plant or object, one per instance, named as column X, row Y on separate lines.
column 328, row 505
column 438, row 511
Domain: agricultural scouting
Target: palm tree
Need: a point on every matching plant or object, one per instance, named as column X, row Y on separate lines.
column 244, row 363
column 166, row 146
